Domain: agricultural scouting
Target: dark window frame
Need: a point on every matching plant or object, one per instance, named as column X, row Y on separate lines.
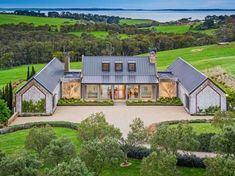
column 121, row 67
column 130, row 70
column 104, row 70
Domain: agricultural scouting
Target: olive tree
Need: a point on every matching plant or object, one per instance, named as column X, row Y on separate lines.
column 24, row 165
column 96, row 126
column 137, row 136
column 59, row 150
column 98, row 154
column 220, row 166
column 224, row 143
column 39, row 138
column 181, row 137
column 75, row 167
column 159, row 163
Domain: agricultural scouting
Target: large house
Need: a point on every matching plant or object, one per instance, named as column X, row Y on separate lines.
column 119, row 78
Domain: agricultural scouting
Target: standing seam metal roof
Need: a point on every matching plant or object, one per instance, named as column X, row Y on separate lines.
column 187, row 75
column 92, row 70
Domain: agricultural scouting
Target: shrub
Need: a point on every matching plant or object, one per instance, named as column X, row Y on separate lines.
column 82, row 102
column 204, row 140
column 31, row 107
column 4, row 112
column 187, row 160
column 138, row 152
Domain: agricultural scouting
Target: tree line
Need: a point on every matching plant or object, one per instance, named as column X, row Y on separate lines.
column 26, row 44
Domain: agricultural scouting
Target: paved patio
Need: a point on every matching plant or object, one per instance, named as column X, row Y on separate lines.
column 119, row 115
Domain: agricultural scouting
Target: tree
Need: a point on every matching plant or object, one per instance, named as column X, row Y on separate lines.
column 220, row 166
column 28, row 73
column 75, row 167
column 4, row 112
column 59, row 150
column 161, row 163
column 137, row 136
column 33, row 72
column 181, row 137
column 224, row 143
column 223, row 118
column 24, row 165
column 10, row 96
column 95, row 126
column 39, row 138
column 98, row 154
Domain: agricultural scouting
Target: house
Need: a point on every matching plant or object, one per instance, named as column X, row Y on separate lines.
column 119, row 78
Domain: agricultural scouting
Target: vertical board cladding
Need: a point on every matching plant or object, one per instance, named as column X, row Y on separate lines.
column 207, row 95
column 167, row 89
column 181, row 93
column 57, row 95
column 35, row 92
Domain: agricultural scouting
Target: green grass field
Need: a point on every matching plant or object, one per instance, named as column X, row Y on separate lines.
column 201, row 128
column 135, row 21
column 37, row 21
column 13, row 144
column 202, row 57
column 97, row 34
column 179, row 29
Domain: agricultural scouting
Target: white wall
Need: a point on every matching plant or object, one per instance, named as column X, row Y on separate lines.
column 34, row 94
column 181, row 94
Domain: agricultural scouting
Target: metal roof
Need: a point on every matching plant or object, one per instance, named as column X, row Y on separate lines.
column 92, row 70
column 49, row 77
column 187, row 75
column 166, row 75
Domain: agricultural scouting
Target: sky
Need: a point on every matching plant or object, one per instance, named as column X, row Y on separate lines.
column 143, row 4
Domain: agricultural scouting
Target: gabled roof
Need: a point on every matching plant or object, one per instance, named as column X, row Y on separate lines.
column 49, row 77
column 187, row 75
column 92, row 70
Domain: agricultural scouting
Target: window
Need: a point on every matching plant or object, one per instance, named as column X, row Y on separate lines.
column 105, row 67
column 106, row 91
column 133, row 92
column 131, row 67
column 187, row 101
column 92, row 91
column 146, row 91
column 118, row 67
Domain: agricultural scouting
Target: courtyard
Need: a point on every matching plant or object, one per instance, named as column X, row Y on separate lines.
column 119, row 115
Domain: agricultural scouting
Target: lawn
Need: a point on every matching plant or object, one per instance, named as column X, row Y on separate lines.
column 97, row 34
column 13, row 144
column 135, row 21
column 16, row 19
column 202, row 57
column 20, row 73
column 201, row 128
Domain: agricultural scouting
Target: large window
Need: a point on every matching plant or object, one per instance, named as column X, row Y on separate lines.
column 92, row 91
column 118, row 67
column 106, row 91
column 133, row 92
column 131, row 66
column 105, row 67
column 146, row 91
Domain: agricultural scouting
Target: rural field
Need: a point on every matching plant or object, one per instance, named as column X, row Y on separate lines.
column 134, row 21
column 16, row 19
column 17, row 139
column 202, row 57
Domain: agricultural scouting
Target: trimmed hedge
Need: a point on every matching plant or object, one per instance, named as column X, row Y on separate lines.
column 14, row 128
column 82, row 102
column 173, row 122
column 161, row 102
column 182, row 159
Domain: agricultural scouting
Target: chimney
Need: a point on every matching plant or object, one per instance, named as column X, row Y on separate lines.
column 67, row 63
column 152, row 56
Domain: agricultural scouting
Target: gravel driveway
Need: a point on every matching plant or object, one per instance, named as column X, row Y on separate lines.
column 119, row 115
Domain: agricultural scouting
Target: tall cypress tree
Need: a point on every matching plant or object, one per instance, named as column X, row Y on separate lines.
column 28, row 74
column 10, row 96
column 33, row 72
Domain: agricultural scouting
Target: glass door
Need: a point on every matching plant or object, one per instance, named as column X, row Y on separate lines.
column 119, row 92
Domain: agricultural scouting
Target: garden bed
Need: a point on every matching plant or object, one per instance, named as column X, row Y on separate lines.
column 82, row 102
column 161, row 102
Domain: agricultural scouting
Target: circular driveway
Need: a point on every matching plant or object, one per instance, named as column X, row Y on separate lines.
column 119, row 115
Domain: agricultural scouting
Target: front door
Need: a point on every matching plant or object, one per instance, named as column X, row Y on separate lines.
column 119, row 92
